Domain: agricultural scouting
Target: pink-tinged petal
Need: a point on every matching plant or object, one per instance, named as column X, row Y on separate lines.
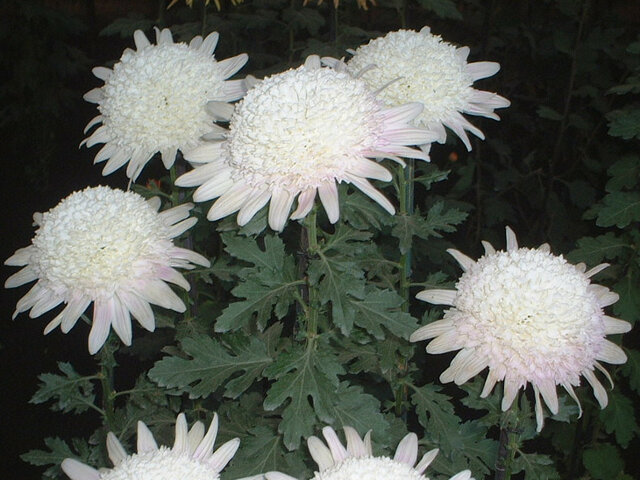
column 365, row 187
column 368, row 169
column 438, row 296
column 139, row 308
column 121, row 320
column 146, row 442
column 279, row 208
column 223, row 455
column 465, row 262
column 206, row 153
column 103, row 73
column 209, row 44
column 257, row 200
column 488, row 248
column 595, row 270
column 230, row 66
column 171, row 275
column 92, row 123
column 26, row 275
column 328, row 193
column 140, row 39
column 604, row 296
column 402, row 114
column 138, row 160
column 471, row 367
column 305, row 204
column 101, row 325
column 204, row 449
column 538, row 410
column 195, row 436
column 168, row 156
column 72, row 312
column 488, row 100
column 479, row 70
column 21, row 257
column 457, row 364
column 230, row 202
column 434, row 329
column 604, row 372
column 320, row 453
column 30, row 298
column 338, row 451
column 181, row 443
column 185, row 255
column 463, row 475
column 181, row 227
column 447, row 342
column 101, row 135
column 95, row 95
column 490, row 382
column 613, row 326
column 511, row 389
column 159, row 293
column 355, row 445
column 407, row 451
column 174, row 214
column 409, row 136
column 45, row 304
column 115, row 450
column 549, row 394
column 115, row 162
column 106, row 152
column 76, row 470
column 214, row 187
column 573, row 395
column 611, row 353
column 512, row 241
column 426, row 460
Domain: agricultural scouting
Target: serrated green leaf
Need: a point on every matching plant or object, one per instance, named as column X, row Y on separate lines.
column 619, row 209
column 628, row 307
column 594, row 250
column 632, row 368
column 382, row 308
column 549, row 113
column 303, row 374
column 632, row 85
column 440, row 220
column 304, row 19
column 262, row 451
column 624, row 173
column 442, row 8
column 431, row 174
column 58, row 451
column 624, row 123
column 535, row 466
column 362, row 212
column 359, row 410
column 603, row 461
column 619, row 418
column 436, row 415
column 212, row 364
column 245, row 248
column 70, row 392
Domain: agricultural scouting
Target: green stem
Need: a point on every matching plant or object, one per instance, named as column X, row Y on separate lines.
column 107, row 362
column 509, row 444
column 311, row 312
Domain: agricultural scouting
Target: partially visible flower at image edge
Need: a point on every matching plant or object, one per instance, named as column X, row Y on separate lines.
column 421, row 67
column 356, row 461
column 297, row 134
column 530, row 317
column 161, row 98
column 109, row 247
column 191, row 457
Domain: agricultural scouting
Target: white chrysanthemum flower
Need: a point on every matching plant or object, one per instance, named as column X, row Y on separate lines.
column 356, row 461
column 108, row 247
column 161, row 98
column 419, row 66
column 531, row 317
column 296, row 134
column 191, row 457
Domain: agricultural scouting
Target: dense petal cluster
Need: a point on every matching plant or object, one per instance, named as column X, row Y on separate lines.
column 161, row 98
column 531, row 317
column 420, row 67
column 109, row 247
column 191, row 457
column 299, row 133
column 356, row 461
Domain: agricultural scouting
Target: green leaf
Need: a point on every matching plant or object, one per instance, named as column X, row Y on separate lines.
column 624, row 173
column 359, row 410
column 442, row 8
column 58, row 451
column 619, row 209
column 535, row 466
column 436, row 415
column 628, row 307
column 631, row 85
column 382, row 308
column 549, row 113
column 594, row 250
column 71, row 392
column 304, row 374
column 624, row 123
column 304, row 19
column 603, row 461
column 212, row 364
column 632, row 368
column 431, row 175
column 619, row 418
column 439, row 219
column 362, row 212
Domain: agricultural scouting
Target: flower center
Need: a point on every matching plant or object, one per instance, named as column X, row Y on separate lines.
column 421, row 67
column 162, row 464
column 94, row 240
column 532, row 311
column 369, row 468
column 301, row 128
column 155, row 98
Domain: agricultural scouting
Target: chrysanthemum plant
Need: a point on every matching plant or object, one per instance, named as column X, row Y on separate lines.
column 296, row 312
